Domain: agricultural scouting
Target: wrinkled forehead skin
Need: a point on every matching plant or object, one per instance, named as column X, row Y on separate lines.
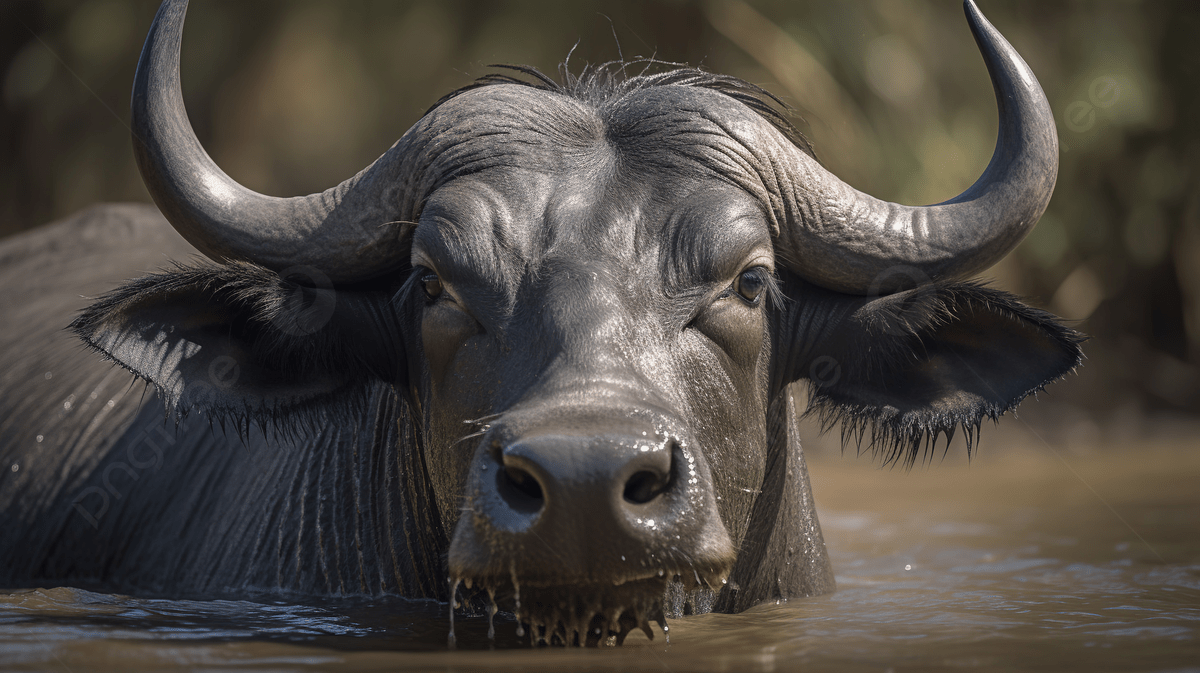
column 668, row 134
column 587, row 250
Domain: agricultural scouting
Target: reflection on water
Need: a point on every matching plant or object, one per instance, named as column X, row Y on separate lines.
column 1021, row 559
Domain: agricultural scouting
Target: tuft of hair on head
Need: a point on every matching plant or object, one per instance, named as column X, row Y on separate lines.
column 597, row 84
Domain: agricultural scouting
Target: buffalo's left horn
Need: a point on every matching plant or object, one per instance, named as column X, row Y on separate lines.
column 845, row 240
column 340, row 232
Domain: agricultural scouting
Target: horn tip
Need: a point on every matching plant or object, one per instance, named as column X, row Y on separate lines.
column 975, row 17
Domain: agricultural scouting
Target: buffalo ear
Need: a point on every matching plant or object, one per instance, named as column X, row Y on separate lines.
column 916, row 364
column 240, row 342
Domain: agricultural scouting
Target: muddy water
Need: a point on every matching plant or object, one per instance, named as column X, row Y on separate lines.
column 1030, row 557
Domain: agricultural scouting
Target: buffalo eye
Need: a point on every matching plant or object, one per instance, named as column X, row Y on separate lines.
column 432, row 285
column 751, row 284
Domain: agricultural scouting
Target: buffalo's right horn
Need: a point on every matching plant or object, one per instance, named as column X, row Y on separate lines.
column 343, row 231
column 843, row 239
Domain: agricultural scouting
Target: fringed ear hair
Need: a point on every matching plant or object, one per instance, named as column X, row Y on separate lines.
column 899, row 371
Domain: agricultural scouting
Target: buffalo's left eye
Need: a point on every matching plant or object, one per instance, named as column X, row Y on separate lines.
column 751, row 284
column 432, row 286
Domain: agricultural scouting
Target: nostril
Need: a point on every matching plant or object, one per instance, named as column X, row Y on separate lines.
column 643, row 487
column 520, row 489
column 524, row 482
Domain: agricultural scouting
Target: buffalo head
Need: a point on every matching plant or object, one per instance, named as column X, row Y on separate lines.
column 590, row 299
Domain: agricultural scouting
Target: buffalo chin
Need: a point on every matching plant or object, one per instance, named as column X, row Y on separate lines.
column 594, row 614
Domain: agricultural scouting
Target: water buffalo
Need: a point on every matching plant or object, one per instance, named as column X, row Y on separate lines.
column 540, row 351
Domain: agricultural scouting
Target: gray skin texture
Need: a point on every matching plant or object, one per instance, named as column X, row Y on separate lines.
column 576, row 388
column 118, row 498
column 114, row 496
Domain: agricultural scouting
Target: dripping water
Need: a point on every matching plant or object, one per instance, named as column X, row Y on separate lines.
column 491, row 614
column 451, row 641
column 517, row 601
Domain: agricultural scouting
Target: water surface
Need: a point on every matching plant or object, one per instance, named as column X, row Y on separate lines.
column 1029, row 557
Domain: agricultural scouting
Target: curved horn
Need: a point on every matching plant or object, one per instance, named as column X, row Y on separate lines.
column 338, row 232
column 845, row 240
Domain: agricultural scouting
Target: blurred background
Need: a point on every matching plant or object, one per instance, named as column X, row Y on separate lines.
column 291, row 97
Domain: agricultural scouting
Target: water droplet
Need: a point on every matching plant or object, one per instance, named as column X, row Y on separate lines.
column 15, row 467
column 907, row 566
column 40, row 438
column 660, row 572
column 622, row 558
column 49, row 375
column 111, row 402
column 67, row 405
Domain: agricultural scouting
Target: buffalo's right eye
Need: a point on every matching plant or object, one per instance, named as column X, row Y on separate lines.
column 751, row 283
column 432, row 285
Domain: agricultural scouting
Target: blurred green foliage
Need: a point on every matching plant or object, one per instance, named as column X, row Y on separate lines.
column 290, row 97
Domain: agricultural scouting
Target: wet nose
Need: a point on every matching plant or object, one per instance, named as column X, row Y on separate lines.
column 585, row 506
column 605, row 508
column 612, row 474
